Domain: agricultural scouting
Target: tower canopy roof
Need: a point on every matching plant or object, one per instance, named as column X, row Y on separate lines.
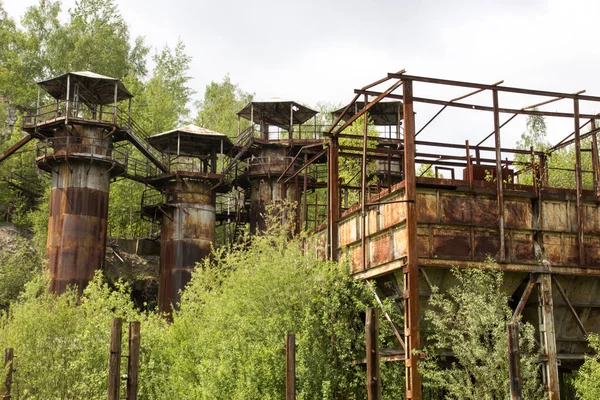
column 382, row 114
column 190, row 140
column 93, row 89
column 277, row 112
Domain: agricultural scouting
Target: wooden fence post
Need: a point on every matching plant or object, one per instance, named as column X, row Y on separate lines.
column 9, row 355
column 133, row 366
column 514, row 362
column 114, row 367
column 290, row 367
column 372, row 338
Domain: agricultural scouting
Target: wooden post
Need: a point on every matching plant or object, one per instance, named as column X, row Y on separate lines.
column 114, row 368
column 514, row 362
column 133, row 366
column 548, row 336
column 290, row 367
column 372, row 338
column 9, row 356
column 411, row 269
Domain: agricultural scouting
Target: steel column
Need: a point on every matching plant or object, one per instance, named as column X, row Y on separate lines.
column 578, row 184
column 499, row 182
column 411, row 269
column 548, row 336
column 372, row 340
column 333, row 204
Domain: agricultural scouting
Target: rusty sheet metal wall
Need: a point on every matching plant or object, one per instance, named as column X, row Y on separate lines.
column 78, row 214
column 462, row 226
column 187, row 234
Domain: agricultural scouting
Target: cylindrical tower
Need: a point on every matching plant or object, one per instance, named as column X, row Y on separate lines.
column 186, row 205
column 77, row 130
column 187, row 235
column 81, row 164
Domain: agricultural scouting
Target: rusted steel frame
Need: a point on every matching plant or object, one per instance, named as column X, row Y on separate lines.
column 411, row 269
column 451, row 101
column 114, row 368
column 570, row 306
column 290, row 367
column 319, row 154
column 564, row 142
column 296, row 157
column 9, row 355
column 373, row 150
column 387, row 316
column 480, row 148
column 499, row 182
column 543, row 103
column 491, row 87
column 133, row 363
column 427, row 280
column 514, row 362
column 438, row 168
column 372, row 341
column 333, row 201
column 548, row 336
column 363, row 190
column 477, row 107
column 304, row 194
column 15, row 147
column 492, row 133
column 578, row 185
column 469, row 170
column 524, row 297
column 595, row 159
column 368, row 106
column 390, row 202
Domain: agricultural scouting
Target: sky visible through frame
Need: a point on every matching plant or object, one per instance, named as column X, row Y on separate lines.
column 312, row 51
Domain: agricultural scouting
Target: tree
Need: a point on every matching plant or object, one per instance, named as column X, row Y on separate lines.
column 97, row 28
column 217, row 111
column 470, row 322
column 587, row 380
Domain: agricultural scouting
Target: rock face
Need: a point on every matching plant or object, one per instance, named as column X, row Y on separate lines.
column 139, row 270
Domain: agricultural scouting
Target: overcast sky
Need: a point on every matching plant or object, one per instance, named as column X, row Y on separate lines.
column 313, row 51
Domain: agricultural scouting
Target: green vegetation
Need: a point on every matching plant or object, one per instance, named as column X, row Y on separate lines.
column 467, row 351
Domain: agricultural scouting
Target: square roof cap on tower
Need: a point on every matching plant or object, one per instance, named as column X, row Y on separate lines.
column 383, row 113
column 94, row 89
column 194, row 141
column 276, row 111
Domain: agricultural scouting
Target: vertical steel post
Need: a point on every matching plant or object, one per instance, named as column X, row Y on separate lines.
column 363, row 188
column 595, row 160
column 9, row 356
column 304, row 190
column 128, row 114
column 578, row 184
column 290, row 367
column 372, row 339
column 514, row 362
column 499, row 182
column 411, row 269
column 469, row 167
column 115, row 104
column 114, row 368
column 548, row 336
column 68, row 97
column 333, row 204
column 133, row 365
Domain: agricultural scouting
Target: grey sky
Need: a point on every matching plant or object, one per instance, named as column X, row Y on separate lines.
column 313, row 51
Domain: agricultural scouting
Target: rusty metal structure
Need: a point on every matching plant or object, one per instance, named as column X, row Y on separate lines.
column 78, row 131
column 401, row 229
column 406, row 233
column 185, row 203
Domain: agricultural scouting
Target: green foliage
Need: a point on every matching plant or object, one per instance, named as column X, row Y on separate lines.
column 18, row 265
column 62, row 342
column 221, row 103
column 470, row 322
column 587, row 380
column 235, row 314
